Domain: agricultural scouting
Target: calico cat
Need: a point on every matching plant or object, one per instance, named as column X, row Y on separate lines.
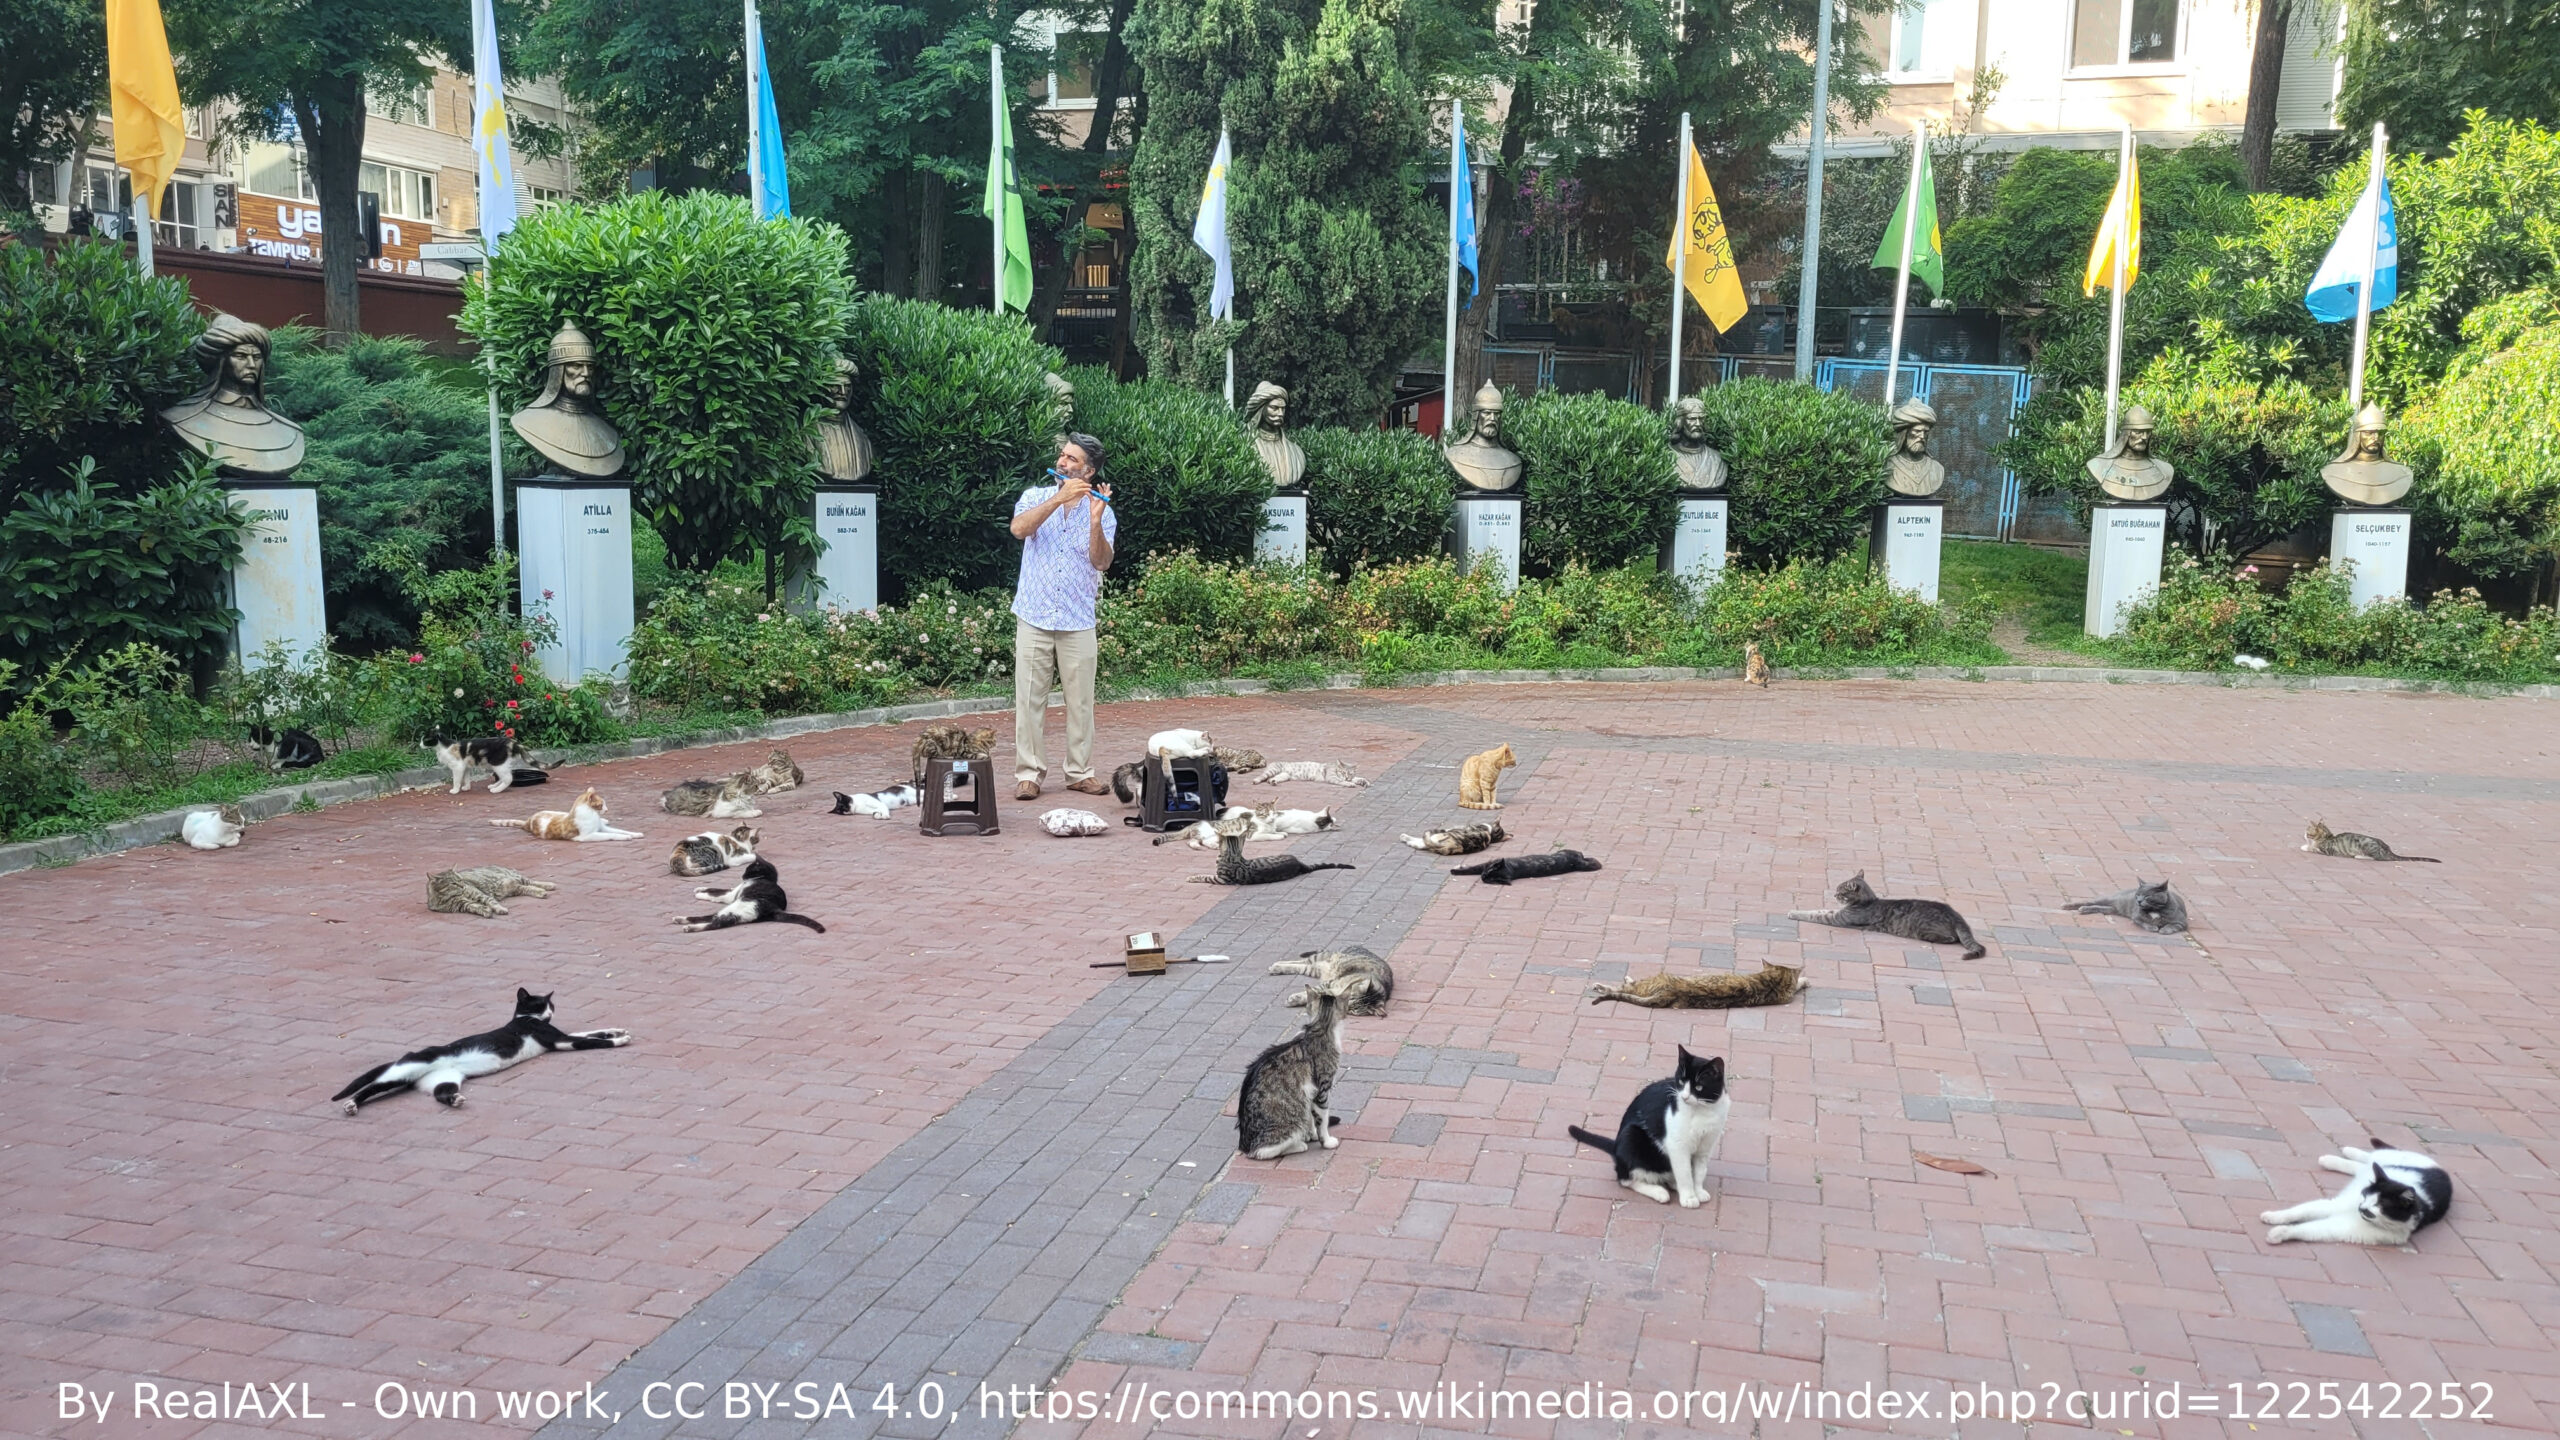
column 1180, row 744
column 1129, row 781
column 1066, row 824
column 1236, row 761
column 1529, row 867
column 1669, row 1130
column 878, row 803
column 758, row 898
column 584, row 821
column 1331, row 772
column 496, row 752
column 1478, row 776
column 711, row 852
column 2348, row 845
column 1861, row 908
column 1359, row 976
column 1235, row 869
column 1769, row 985
column 950, row 742
column 777, row 773
column 1289, row 1086
column 1459, row 839
column 1755, row 666
column 730, row 799
column 293, row 750
column 2154, row 907
column 212, row 829
column 2394, row 1194
column 440, row 1069
column 478, row 890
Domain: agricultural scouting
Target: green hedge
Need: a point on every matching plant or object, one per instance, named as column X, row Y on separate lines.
column 1183, row 473
column 1600, row 480
column 1804, row 466
column 1375, row 497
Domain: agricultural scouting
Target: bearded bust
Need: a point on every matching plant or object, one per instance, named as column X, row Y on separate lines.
column 842, row 450
column 563, row 422
column 1914, row 472
column 228, row 421
column 1266, row 415
column 2364, row 475
column 1479, row 456
column 2130, row 471
column 1700, row 467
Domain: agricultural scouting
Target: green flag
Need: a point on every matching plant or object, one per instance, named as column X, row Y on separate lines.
column 1003, row 203
column 1928, row 252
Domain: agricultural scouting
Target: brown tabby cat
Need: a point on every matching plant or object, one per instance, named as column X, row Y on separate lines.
column 775, row 774
column 950, row 742
column 2348, row 845
column 478, row 890
column 1479, row 775
column 1770, row 985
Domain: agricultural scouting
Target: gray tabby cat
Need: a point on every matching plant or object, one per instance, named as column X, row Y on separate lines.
column 729, row 799
column 1358, row 974
column 477, row 891
column 2154, row 907
column 1331, row 772
column 1459, row 839
column 1235, row 869
column 1861, row 908
column 2348, row 845
column 1288, row 1087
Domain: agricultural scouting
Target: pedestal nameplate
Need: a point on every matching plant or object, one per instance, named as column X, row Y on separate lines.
column 1696, row 549
column 573, row 543
column 1904, row 540
column 2126, row 543
column 276, row 583
column 848, row 520
column 2376, row 540
column 1485, row 530
column 1284, row 529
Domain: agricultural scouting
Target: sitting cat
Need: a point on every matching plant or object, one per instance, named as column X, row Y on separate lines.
column 1129, row 781
column 583, row 821
column 1235, row 869
column 293, row 750
column 1755, row 666
column 1180, row 744
column 1861, row 908
column 878, row 803
column 1066, row 824
column 1479, row 775
column 1529, row 867
column 1236, row 761
column 777, row 773
column 950, row 742
column 2394, row 1194
column 1288, row 1087
column 478, row 890
column 496, row 752
column 1359, row 976
column 2155, row 908
column 1459, row 839
column 1769, row 985
column 212, row 829
column 730, row 799
column 1669, row 1131
column 711, row 852
column 440, row 1069
column 2348, row 845
column 757, row 899
column 1331, row 772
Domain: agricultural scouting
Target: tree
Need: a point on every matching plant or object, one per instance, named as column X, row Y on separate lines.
column 660, row 83
column 53, row 77
column 2420, row 65
column 2266, row 78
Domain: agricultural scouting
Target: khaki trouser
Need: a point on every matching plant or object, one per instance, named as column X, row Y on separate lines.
column 1039, row 657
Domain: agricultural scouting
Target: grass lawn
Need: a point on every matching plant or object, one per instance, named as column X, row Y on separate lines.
column 2041, row 589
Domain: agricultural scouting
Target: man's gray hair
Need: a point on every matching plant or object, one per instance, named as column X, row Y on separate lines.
column 1091, row 447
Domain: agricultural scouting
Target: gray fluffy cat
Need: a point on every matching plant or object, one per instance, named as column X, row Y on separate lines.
column 477, row 891
column 2155, row 907
column 1356, row 973
column 1288, row 1086
column 1861, row 908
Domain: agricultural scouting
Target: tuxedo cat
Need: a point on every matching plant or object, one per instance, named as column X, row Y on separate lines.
column 1529, row 867
column 440, row 1069
column 1861, row 908
column 293, row 750
column 212, row 829
column 1669, row 1130
column 2154, row 907
column 499, row 754
column 1288, row 1087
column 878, row 803
column 758, row 898
column 2394, row 1194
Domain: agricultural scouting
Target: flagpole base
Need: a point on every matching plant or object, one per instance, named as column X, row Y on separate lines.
column 2126, row 543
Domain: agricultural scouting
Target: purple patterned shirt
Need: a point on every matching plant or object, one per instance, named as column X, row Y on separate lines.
column 1059, row 583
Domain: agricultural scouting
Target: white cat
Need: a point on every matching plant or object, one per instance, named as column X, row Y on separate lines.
column 1179, row 744
column 2394, row 1194
column 212, row 829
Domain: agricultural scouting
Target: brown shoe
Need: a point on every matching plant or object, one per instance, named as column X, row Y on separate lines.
column 1027, row 790
column 1090, row 785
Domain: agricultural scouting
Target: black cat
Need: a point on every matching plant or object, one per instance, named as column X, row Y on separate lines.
column 440, row 1069
column 1529, row 867
column 1669, row 1130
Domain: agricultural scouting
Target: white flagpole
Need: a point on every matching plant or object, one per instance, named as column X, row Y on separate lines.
column 1808, row 289
column 2115, row 303
column 142, row 240
column 1449, row 348
column 2364, row 287
column 995, row 138
column 1680, row 272
column 1231, row 377
column 1902, row 276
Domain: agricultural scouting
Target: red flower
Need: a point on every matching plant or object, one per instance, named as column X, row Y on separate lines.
column 546, row 595
column 488, row 704
column 546, row 697
column 417, row 659
column 511, row 704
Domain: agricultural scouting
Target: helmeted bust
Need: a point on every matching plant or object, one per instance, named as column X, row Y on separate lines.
column 228, row 421
column 2363, row 476
column 1700, row 467
column 842, row 451
column 1266, row 414
column 563, row 422
column 1478, row 456
column 2130, row 471
column 1913, row 472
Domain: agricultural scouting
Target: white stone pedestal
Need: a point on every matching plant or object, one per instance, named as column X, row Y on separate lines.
column 2376, row 539
column 1695, row 552
column 848, row 570
column 573, row 543
column 276, row 584
column 2126, row 543
column 1485, row 530
column 1284, row 529
column 1904, row 540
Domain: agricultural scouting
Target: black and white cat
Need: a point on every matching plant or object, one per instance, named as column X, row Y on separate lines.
column 293, row 750
column 1669, row 1130
column 2394, row 1194
column 505, row 762
column 440, row 1070
column 757, row 899
column 878, row 803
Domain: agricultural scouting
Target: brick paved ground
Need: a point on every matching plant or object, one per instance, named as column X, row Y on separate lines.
column 932, row 1144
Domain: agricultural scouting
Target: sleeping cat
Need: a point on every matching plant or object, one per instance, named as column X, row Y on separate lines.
column 1331, row 772
column 1266, row 822
column 1180, row 744
column 478, row 890
column 2348, row 845
column 950, row 742
column 496, row 752
column 584, row 821
column 1358, row 975
column 775, row 774
column 1235, row 869
column 440, row 1069
column 711, row 852
column 1479, row 774
column 212, row 829
column 878, row 803
column 1459, row 839
column 1288, row 1087
column 1861, row 908
column 730, row 799
column 2154, row 907
column 1529, row 867
column 293, row 750
column 1236, row 761
column 757, row 899
column 1669, row 1130
column 2394, row 1194
column 1769, row 985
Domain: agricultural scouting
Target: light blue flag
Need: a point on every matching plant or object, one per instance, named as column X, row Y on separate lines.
column 1209, row 232
column 767, row 178
column 1462, row 198
column 2373, row 223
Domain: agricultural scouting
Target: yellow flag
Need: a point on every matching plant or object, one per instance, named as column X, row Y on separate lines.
column 1710, row 275
column 151, row 131
column 2122, row 228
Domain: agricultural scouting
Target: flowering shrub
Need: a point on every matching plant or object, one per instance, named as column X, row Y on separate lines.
column 474, row 671
column 2202, row 614
column 2207, row 611
column 943, row 638
column 717, row 645
column 1831, row 610
column 1188, row 614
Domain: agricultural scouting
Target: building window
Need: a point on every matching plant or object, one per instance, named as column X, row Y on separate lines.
column 109, row 196
column 405, row 194
column 408, row 104
column 1073, row 56
column 1927, row 38
column 545, row 197
column 270, row 168
column 2123, row 32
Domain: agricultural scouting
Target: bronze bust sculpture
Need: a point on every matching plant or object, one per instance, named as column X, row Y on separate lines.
column 562, row 422
column 1914, row 472
column 842, row 451
column 2130, row 471
column 2363, row 476
column 1266, row 414
column 228, row 420
column 1700, row 467
column 1478, row 456
column 1062, row 396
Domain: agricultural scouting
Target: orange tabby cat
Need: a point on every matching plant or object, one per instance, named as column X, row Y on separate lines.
column 1478, row 776
column 585, row 821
